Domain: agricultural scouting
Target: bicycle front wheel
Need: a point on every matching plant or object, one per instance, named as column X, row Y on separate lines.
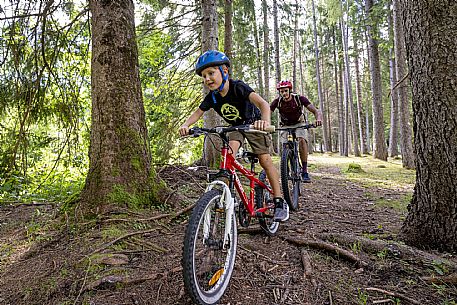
column 209, row 252
column 290, row 179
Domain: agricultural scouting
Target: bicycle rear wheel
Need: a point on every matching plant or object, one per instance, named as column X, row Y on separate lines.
column 262, row 198
column 208, row 260
column 290, row 179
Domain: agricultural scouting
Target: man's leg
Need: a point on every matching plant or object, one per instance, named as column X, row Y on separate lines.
column 303, row 149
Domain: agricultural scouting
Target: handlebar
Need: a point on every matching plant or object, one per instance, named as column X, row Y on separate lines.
column 297, row 126
column 197, row 131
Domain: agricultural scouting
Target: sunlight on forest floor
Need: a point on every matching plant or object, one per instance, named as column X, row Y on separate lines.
column 373, row 172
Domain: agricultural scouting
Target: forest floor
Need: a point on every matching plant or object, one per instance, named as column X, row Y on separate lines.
column 341, row 247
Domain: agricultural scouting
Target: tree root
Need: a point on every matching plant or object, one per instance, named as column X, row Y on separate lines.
column 392, row 248
column 307, row 268
column 322, row 245
column 394, row 294
column 448, row 279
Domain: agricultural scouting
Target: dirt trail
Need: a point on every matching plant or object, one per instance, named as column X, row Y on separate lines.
column 334, row 212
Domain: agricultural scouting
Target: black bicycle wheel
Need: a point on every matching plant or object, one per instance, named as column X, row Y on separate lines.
column 290, row 178
column 208, row 256
column 262, row 198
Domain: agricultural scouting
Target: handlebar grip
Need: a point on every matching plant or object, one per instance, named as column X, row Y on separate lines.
column 270, row 128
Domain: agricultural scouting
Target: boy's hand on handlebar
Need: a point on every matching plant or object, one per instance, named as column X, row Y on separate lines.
column 261, row 125
column 184, row 130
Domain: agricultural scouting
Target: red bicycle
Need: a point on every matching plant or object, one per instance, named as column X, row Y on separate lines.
column 210, row 241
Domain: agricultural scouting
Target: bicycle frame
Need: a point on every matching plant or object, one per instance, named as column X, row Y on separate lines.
column 229, row 163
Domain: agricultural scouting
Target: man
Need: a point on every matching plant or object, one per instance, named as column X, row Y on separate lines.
column 290, row 106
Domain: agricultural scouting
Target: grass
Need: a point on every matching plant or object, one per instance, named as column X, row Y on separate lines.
column 368, row 171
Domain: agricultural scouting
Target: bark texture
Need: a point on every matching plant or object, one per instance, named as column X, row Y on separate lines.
column 120, row 161
column 210, row 42
column 430, row 29
column 402, row 88
column 379, row 142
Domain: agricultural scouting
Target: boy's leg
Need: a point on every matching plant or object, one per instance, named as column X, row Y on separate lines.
column 272, row 173
column 260, row 145
column 281, row 208
column 235, row 140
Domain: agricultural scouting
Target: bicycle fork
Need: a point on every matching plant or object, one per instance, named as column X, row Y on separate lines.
column 228, row 202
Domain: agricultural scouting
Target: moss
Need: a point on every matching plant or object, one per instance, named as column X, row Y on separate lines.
column 119, row 195
column 136, row 163
column 354, row 168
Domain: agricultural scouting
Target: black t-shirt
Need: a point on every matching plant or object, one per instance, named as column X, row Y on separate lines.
column 235, row 107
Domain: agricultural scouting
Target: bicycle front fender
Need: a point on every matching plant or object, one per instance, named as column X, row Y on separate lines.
column 229, row 203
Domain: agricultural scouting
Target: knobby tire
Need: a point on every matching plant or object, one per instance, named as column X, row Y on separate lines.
column 207, row 268
column 290, row 179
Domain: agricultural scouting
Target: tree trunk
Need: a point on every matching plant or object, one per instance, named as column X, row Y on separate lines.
column 295, row 50
column 119, row 155
column 266, row 53
column 277, row 143
column 319, row 83
column 228, row 43
column 276, row 35
column 430, row 28
column 210, row 42
column 379, row 142
column 257, row 49
column 337, row 93
column 341, row 115
column 348, row 81
column 406, row 143
column 360, row 111
column 393, row 133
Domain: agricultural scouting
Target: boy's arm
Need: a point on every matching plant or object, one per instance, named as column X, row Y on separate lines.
column 194, row 117
column 264, row 107
column 317, row 114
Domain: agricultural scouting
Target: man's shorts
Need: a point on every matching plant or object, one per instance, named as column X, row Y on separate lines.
column 301, row 133
column 260, row 143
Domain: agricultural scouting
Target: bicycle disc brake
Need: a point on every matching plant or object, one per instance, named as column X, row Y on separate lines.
column 243, row 216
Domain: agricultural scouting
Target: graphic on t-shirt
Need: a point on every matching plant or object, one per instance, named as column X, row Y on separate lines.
column 230, row 112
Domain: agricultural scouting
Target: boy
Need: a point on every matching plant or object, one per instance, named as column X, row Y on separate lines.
column 233, row 101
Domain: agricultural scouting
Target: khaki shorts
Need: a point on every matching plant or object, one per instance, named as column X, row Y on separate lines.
column 260, row 143
column 301, row 133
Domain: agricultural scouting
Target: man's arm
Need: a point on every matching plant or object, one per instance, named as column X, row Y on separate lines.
column 317, row 114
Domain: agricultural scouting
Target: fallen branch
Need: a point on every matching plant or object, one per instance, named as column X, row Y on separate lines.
column 448, row 279
column 111, row 281
column 393, row 294
column 321, row 245
column 307, row 268
column 120, row 238
column 156, row 217
column 393, row 248
column 263, row 256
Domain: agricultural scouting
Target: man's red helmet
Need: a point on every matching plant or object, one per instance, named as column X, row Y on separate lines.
column 284, row 84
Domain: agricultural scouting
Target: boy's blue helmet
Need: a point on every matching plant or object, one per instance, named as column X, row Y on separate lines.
column 211, row 58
